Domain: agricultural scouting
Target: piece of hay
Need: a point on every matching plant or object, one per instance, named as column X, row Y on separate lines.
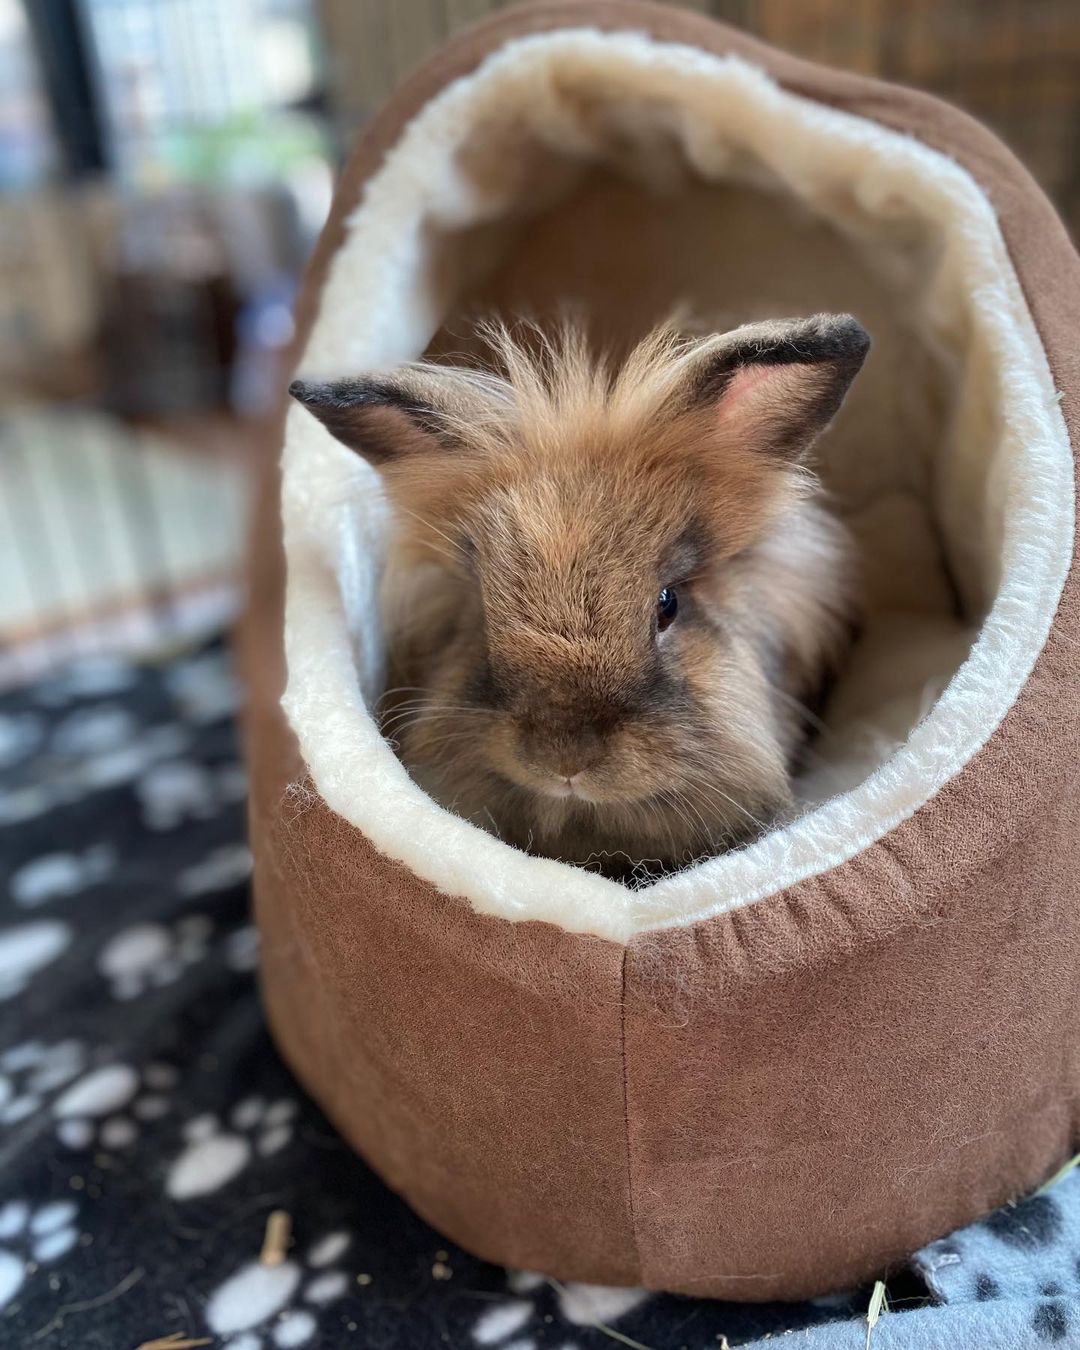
column 1060, row 1175
column 277, row 1238
column 878, row 1305
column 176, row 1341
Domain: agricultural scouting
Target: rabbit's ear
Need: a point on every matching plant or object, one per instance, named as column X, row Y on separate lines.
column 383, row 419
column 777, row 385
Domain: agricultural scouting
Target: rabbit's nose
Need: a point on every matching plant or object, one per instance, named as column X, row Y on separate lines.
column 564, row 756
column 570, row 785
column 573, row 760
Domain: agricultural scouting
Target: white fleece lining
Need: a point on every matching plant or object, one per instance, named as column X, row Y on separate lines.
column 378, row 308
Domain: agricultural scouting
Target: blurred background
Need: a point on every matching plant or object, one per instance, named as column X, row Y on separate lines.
column 165, row 166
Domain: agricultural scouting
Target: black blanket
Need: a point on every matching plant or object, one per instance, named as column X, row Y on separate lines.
column 148, row 1129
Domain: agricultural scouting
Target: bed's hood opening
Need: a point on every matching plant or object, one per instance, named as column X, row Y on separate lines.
column 625, row 176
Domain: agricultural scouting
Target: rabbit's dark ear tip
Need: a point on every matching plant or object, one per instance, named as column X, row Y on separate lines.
column 851, row 334
column 315, row 395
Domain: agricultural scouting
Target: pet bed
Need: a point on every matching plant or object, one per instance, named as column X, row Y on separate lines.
column 775, row 1072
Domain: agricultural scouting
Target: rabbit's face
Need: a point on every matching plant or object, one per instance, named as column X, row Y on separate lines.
column 611, row 589
column 598, row 645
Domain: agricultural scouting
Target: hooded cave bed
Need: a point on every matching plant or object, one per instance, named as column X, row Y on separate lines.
column 775, row 1072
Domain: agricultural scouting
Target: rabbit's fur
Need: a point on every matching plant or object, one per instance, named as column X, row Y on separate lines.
column 540, row 512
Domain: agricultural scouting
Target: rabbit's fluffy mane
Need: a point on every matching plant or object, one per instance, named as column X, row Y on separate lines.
column 584, row 485
column 545, row 395
column 542, row 386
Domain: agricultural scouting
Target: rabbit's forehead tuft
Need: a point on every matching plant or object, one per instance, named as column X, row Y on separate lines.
column 574, row 519
column 579, row 528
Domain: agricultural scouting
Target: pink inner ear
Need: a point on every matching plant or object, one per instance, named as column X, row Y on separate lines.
column 759, row 395
column 744, row 381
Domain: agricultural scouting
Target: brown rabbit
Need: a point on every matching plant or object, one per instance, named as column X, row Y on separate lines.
column 610, row 591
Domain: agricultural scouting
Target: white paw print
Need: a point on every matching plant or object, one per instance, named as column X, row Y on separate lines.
column 93, row 731
column 30, row 1238
column 27, row 949
column 151, row 955
column 502, row 1321
column 180, row 790
column 108, row 1107
column 205, row 688
column 30, row 1073
column 263, row 1307
column 27, row 802
column 20, row 736
column 581, row 1305
column 172, row 793
column 242, row 948
column 89, row 677
column 57, row 876
column 125, row 762
column 215, row 1154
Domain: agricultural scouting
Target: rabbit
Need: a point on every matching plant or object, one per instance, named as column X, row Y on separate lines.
column 612, row 588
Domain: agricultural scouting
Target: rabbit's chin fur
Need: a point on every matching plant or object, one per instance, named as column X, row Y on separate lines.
column 539, row 513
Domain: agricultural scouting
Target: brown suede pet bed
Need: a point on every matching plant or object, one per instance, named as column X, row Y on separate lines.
column 781, row 1070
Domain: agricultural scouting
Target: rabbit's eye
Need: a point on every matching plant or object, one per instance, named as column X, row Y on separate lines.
column 667, row 606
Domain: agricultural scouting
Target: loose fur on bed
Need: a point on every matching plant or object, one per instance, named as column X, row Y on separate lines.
column 537, row 685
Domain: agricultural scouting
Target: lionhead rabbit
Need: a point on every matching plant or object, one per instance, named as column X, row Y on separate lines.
column 611, row 589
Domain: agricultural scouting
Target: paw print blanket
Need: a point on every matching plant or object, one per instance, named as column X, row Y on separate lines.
column 163, row 1180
